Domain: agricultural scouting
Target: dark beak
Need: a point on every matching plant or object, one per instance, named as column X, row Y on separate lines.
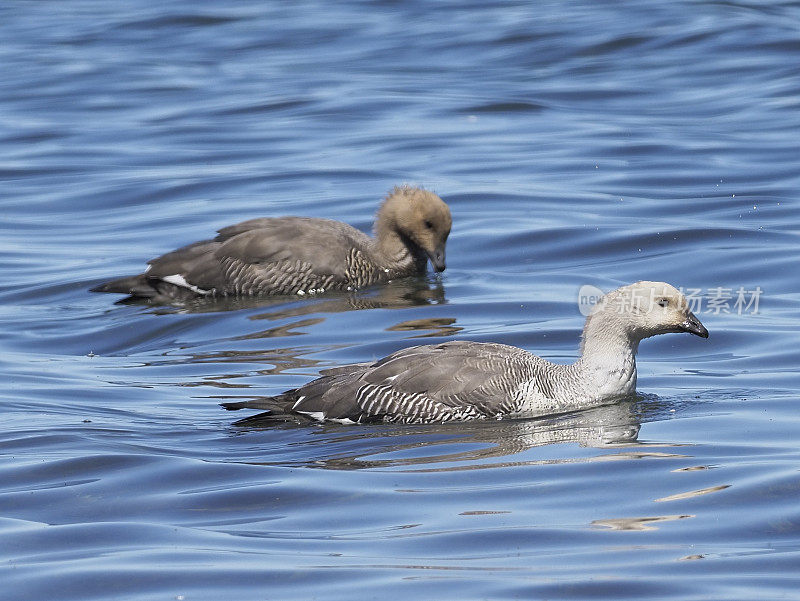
column 693, row 326
column 437, row 259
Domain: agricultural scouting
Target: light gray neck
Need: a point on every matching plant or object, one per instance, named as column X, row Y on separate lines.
column 608, row 355
column 606, row 370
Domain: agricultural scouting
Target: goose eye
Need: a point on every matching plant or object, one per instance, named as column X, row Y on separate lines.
column 429, row 225
column 663, row 302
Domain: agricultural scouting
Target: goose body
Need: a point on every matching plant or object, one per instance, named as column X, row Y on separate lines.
column 300, row 255
column 465, row 380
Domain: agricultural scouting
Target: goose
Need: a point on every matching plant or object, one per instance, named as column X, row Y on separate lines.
column 300, row 255
column 463, row 380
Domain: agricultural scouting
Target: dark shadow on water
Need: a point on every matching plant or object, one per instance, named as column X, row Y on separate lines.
column 434, row 327
column 225, row 320
column 407, row 292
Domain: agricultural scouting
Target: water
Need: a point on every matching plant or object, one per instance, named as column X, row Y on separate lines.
column 577, row 143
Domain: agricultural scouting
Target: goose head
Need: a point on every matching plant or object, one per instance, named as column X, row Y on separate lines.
column 646, row 309
column 422, row 221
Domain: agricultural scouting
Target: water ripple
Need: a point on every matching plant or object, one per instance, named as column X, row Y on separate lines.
column 576, row 143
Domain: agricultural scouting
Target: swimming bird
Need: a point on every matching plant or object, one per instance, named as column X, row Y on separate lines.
column 300, row 255
column 464, row 380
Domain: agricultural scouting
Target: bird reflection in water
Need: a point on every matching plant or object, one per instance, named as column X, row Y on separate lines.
column 477, row 444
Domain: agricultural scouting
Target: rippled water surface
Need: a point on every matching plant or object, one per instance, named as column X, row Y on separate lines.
column 577, row 143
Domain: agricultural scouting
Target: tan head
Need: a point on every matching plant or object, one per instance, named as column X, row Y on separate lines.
column 420, row 218
column 646, row 309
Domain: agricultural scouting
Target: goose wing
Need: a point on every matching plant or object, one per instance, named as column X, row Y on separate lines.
column 454, row 380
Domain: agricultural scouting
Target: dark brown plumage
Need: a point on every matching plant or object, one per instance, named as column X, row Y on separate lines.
column 300, row 255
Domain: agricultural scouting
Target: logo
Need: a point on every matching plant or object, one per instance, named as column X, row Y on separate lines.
column 588, row 297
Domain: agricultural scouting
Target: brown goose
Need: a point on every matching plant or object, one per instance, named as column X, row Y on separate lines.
column 471, row 380
column 300, row 255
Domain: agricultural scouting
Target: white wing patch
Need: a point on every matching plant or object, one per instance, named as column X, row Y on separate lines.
column 317, row 415
column 179, row 280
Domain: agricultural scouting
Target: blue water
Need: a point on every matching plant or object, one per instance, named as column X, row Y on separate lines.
column 577, row 143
